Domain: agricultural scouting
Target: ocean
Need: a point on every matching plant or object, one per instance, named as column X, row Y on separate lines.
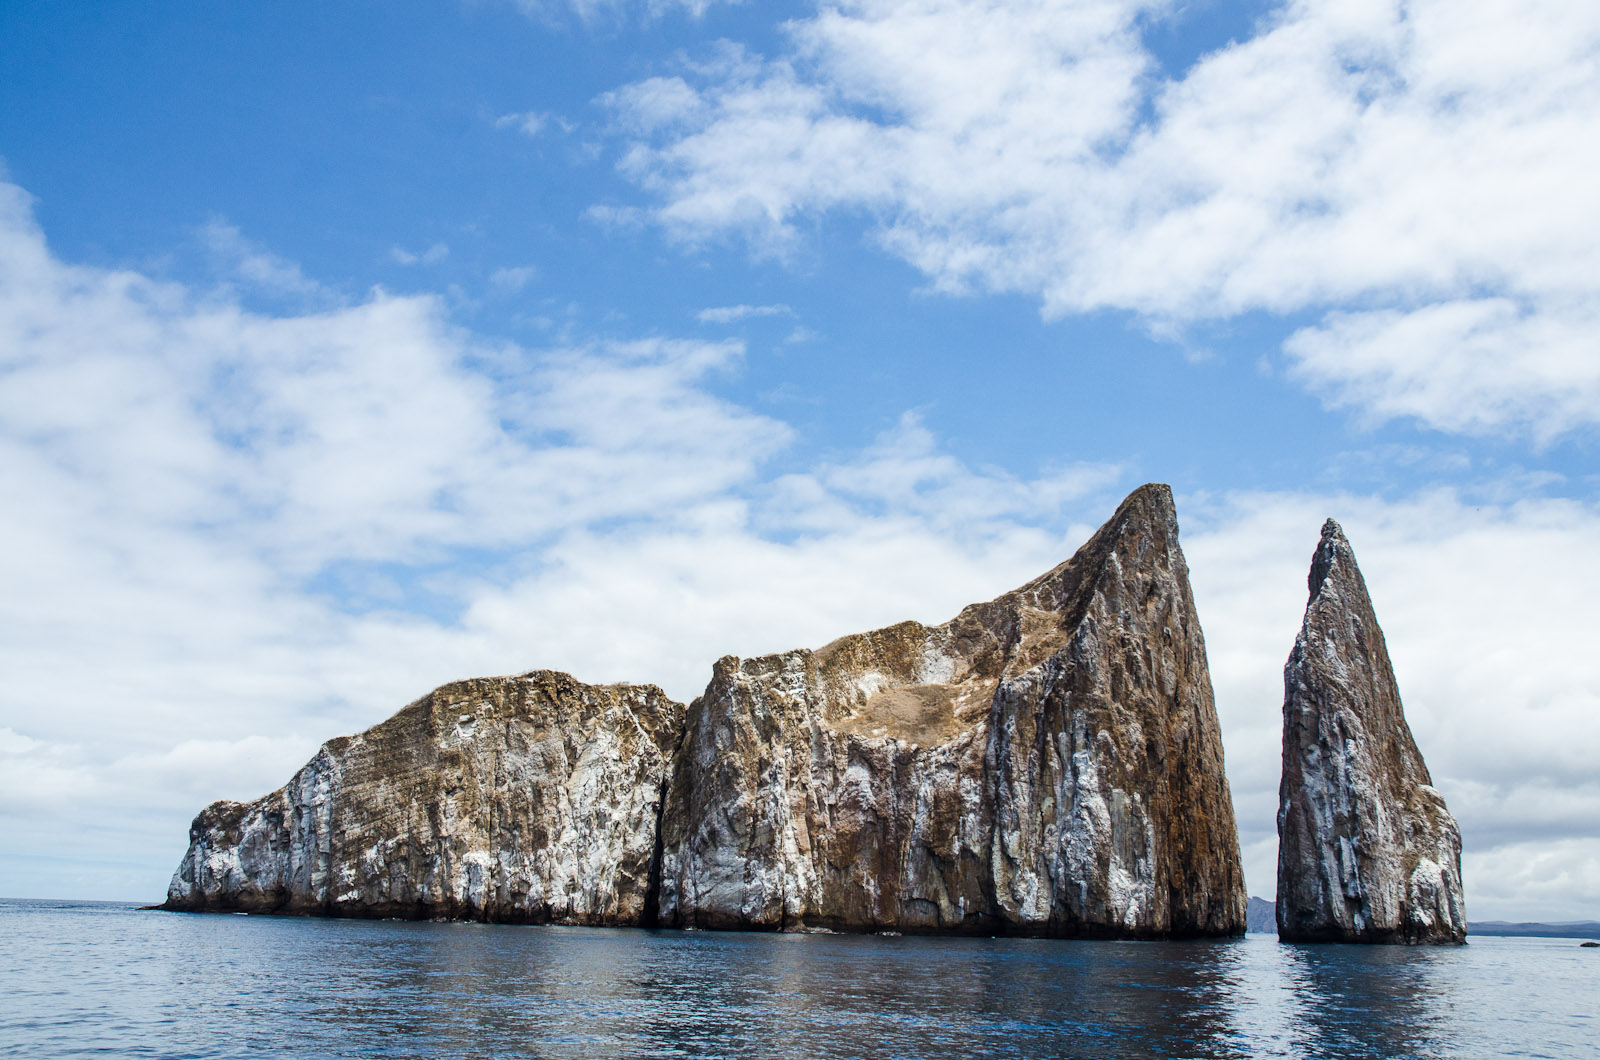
column 108, row 980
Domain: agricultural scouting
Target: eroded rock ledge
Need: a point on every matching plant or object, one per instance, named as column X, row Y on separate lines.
column 1367, row 851
column 1046, row 763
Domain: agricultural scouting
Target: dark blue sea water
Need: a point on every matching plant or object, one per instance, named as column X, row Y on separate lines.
column 104, row 980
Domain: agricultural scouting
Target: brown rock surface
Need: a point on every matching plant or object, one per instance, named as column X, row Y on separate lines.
column 1367, row 851
column 1047, row 763
column 530, row 798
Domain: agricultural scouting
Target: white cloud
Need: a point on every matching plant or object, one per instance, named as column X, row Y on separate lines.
column 1471, row 366
column 905, row 474
column 178, row 468
column 615, row 217
column 191, row 481
column 731, row 314
column 14, row 743
column 1421, row 173
column 529, row 123
column 232, row 535
column 431, row 256
column 512, row 278
column 1535, row 880
column 244, row 260
column 601, row 10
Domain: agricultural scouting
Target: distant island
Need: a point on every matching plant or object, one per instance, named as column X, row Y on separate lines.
column 1574, row 929
column 1261, row 917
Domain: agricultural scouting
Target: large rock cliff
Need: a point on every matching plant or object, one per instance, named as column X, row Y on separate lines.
column 1367, row 851
column 1047, row 763
column 530, row 798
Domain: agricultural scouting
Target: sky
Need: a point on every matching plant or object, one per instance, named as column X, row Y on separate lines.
column 352, row 347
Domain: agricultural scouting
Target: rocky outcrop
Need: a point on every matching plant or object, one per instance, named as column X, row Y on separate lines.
column 1367, row 851
column 1046, row 763
column 531, row 799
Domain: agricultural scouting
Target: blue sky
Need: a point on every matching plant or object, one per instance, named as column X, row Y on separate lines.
column 353, row 347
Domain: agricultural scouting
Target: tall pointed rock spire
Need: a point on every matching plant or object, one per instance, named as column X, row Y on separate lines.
column 1367, row 851
column 1046, row 763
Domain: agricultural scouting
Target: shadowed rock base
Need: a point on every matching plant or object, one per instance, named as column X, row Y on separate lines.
column 1367, row 851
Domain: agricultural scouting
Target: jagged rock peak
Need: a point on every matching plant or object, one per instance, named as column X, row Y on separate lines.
column 1367, row 850
column 1330, row 548
column 532, row 798
column 1047, row 763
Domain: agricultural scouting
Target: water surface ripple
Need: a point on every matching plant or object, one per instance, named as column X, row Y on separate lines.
column 93, row 979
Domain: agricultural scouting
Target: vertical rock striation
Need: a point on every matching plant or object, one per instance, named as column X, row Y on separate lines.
column 531, row 798
column 1046, row 763
column 1367, row 851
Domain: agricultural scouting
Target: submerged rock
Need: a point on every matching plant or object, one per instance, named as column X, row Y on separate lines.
column 1046, row 763
column 1367, row 851
column 530, row 798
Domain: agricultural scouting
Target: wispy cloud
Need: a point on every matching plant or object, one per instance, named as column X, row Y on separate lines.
column 530, row 122
column 603, row 10
column 730, row 314
column 432, row 256
column 245, row 261
column 615, row 217
column 512, row 278
column 187, row 475
column 1419, row 176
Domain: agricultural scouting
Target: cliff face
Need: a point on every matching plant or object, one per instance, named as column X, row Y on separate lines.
column 530, row 798
column 1367, row 851
column 1046, row 763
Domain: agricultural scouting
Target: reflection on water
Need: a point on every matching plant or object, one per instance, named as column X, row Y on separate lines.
column 670, row 994
column 77, row 980
column 576, row 992
column 1378, row 1001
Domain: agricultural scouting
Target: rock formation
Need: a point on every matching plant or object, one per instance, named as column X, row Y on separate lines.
column 1367, row 851
column 1047, row 763
column 530, row 798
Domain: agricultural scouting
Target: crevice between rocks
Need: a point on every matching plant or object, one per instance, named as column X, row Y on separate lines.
column 650, row 916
